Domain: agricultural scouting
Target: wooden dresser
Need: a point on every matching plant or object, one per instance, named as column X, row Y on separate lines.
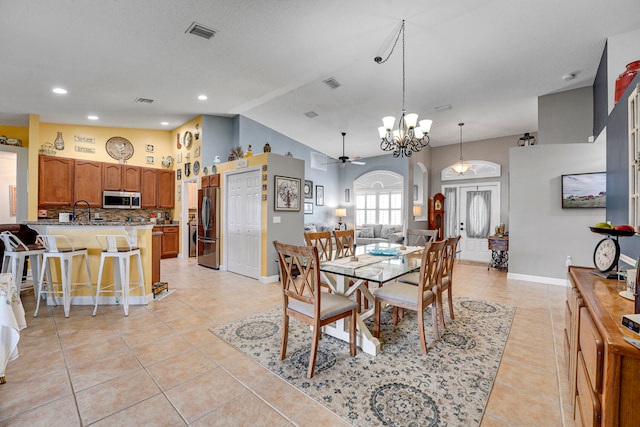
column 604, row 370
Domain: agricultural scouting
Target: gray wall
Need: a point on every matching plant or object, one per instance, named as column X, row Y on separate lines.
column 217, row 138
column 541, row 233
column 290, row 228
column 566, row 117
column 494, row 150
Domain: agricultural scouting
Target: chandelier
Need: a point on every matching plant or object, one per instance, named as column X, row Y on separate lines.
column 409, row 137
column 461, row 166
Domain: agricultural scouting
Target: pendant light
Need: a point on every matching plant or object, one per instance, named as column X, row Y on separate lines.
column 461, row 166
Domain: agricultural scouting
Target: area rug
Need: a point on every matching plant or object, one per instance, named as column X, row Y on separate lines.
column 449, row 386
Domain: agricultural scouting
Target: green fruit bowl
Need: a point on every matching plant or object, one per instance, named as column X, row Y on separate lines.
column 612, row 232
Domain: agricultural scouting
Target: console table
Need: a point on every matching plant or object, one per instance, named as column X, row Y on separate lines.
column 499, row 247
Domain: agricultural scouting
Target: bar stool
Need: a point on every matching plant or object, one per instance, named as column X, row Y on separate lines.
column 15, row 254
column 120, row 249
column 60, row 248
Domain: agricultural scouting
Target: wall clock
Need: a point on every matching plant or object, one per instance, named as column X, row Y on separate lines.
column 187, row 139
column 606, row 254
column 119, row 148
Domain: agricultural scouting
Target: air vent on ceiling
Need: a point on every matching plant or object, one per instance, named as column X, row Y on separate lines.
column 311, row 114
column 444, row 107
column 200, row 30
column 143, row 100
column 332, row 83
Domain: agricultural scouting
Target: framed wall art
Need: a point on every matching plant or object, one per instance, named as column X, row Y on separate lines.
column 308, row 208
column 319, row 195
column 287, row 194
column 150, row 148
column 308, row 189
column 151, row 159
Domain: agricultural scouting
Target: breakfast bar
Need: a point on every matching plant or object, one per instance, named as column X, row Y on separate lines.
column 83, row 234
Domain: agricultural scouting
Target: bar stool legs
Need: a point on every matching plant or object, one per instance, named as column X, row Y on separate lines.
column 122, row 283
column 66, row 276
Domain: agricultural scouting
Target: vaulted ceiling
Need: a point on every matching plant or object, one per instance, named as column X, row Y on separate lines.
column 488, row 59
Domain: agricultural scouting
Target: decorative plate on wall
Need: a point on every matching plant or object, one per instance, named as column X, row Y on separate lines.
column 119, row 148
column 187, row 139
column 196, row 167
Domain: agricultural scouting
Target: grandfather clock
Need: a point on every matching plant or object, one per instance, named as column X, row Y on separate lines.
column 436, row 214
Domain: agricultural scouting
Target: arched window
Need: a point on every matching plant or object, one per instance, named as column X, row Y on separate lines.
column 379, row 198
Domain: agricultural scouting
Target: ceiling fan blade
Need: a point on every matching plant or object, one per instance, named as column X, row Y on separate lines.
column 355, row 162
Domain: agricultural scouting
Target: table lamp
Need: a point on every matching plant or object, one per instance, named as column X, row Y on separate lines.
column 340, row 212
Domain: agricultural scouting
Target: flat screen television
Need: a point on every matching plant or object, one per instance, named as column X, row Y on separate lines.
column 584, row 190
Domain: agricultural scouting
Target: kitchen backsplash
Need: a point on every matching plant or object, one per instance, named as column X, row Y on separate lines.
column 111, row 214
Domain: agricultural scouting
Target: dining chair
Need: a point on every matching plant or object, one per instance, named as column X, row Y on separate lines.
column 417, row 237
column 323, row 241
column 346, row 247
column 303, row 299
column 417, row 298
column 446, row 279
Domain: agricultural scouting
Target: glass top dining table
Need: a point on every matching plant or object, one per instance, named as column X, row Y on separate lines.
column 379, row 263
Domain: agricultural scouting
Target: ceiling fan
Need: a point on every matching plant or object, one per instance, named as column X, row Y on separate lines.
column 344, row 159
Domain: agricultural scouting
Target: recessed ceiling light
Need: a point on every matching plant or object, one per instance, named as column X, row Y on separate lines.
column 202, row 97
column 569, row 76
column 92, row 117
column 164, row 123
column 59, row 91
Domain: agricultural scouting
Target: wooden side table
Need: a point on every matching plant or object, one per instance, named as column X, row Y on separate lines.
column 499, row 247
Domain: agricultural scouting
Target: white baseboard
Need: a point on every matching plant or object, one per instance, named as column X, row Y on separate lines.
column 87, row 300
column 269, row 279
column 538, row 279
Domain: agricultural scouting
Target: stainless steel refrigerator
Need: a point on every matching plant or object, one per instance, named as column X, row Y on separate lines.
column 209, row 227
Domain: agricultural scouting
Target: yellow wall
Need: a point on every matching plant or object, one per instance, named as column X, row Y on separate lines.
column 19, row 132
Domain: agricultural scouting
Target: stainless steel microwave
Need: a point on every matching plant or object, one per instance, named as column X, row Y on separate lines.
column 120, row 200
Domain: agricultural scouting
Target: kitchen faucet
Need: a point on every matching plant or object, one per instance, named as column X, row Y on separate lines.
column 88, row 207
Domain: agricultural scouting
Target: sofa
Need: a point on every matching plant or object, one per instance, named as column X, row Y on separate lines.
column 378, row 233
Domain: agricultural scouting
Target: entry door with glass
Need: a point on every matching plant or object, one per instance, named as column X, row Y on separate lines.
column 473, row 211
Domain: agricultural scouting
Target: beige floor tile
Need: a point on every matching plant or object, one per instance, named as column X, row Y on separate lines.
column 491, row 421
column 522, row 408
column 101, row 370
column 26, row 395
column 178, row 369
column 93, row 350
column 537, row 381
column 62, row 413
column 245, row 409
column 161, row 350
column 316, row 415
column 156, row 411
column 115, row 395
column 30, row 365
column 203, row 394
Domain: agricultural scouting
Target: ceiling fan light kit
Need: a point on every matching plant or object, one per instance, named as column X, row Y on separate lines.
column 343, row 160
column 412, row 135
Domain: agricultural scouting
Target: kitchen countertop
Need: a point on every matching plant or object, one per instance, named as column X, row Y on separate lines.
column 97, row 223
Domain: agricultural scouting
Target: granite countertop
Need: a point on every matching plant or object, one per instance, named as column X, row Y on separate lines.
column 93, row 223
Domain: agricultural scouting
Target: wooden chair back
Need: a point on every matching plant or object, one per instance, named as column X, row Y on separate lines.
column 345, row 243
column 321, row 240
column 430, row 270
column 449, row 257
column 417, row 237
column 305, row 286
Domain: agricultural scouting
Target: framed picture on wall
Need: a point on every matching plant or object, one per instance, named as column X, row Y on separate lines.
column 319, row 195
column 308, row 208
column 287, row 194
column 308, row 189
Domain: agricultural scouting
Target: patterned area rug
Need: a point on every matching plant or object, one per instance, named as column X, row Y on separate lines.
column 449, row 386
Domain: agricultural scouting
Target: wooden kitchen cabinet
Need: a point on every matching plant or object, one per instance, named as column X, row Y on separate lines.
column 210, row 181
column 165, row 188
column 148, row 188
column 55, row 181
column 118, row 177
column 170, row 240
column 88, row 175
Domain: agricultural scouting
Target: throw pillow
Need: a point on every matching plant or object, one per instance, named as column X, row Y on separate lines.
column 386, row 231
column 367, row 232
column 310, row 227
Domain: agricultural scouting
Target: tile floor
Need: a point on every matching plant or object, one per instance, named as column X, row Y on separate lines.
column 161, row 365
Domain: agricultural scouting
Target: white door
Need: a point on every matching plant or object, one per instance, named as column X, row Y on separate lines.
column 244, row 223
column 481, row 203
